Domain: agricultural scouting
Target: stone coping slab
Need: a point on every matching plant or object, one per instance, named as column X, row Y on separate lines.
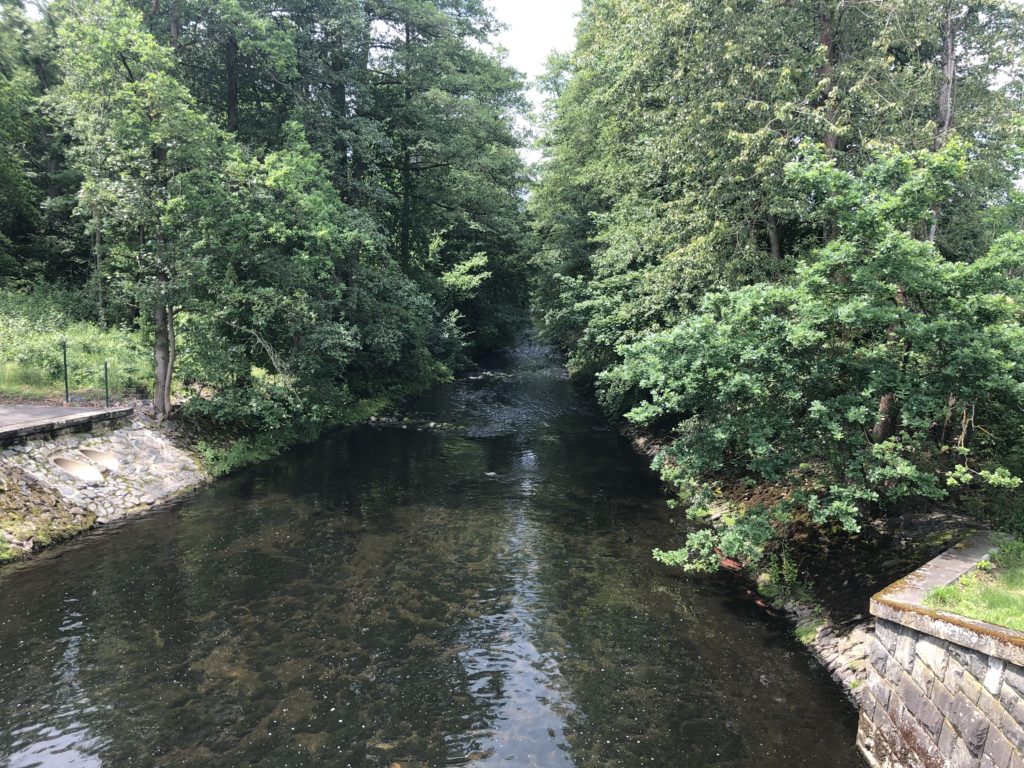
column 903, row 603
column 13, row 433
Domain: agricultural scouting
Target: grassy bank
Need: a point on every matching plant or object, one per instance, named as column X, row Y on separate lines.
column 223, row 450
column 993, row 592
column 34, row 328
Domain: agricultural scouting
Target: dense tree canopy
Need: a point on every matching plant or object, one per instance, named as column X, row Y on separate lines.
column 303, row 204
column 785, row 236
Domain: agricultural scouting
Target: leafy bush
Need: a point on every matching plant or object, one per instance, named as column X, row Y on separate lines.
column 1010, row 555
column 243, row 426
column 223, row 459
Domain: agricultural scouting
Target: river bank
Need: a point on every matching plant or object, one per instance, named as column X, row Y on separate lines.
column 56, row 486
column 480, row 593
column 823, row 588
column 147, row 464
column 41, row 505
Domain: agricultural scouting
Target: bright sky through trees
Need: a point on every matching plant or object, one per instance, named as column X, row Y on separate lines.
column 535, row 28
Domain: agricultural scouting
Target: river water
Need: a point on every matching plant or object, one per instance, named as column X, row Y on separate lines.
column 385, row 597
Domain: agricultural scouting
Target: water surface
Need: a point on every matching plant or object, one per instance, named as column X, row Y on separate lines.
column 390, row 597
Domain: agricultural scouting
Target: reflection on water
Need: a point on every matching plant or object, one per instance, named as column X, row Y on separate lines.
column 399, row 598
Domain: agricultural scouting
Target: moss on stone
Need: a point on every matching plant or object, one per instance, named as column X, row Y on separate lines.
column 806, row 632
column 7, row 554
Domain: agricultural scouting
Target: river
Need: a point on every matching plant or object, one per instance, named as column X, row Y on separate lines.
column 479, row 596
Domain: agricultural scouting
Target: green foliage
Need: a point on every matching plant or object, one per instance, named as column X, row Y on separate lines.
column 465, row 278
column 271, row 243
column 780, row 580
column 1010, row 555
column 780, row 383
column 298, row 206
column 760, row 233
column 808, row 631
column 239, row 434
column 244, row 452
column 17, row 126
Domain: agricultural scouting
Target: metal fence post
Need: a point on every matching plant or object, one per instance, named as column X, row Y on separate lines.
column 106, row 383
column 67, row 391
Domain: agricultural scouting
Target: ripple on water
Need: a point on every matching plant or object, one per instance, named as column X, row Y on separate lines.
column 389, row 597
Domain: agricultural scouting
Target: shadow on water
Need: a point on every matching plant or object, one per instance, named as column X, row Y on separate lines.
column 388, row 597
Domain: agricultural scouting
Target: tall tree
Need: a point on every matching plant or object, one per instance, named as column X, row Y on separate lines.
column 139, row 143
column 301, row 202
column 664, row 184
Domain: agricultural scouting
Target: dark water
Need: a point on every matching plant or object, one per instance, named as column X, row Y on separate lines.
column 381, row 599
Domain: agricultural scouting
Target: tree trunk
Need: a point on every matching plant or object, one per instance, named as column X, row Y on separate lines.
column 231, row 67
column 361, row 69
column 406, row 215
column 947, row 84
column 773, row 238
column 52, row 164
column 339, row 97
column 162, row 361
column 97, row 256
column 45, row 137
column 888, row 409
column 827, row 40
column 885, row 425
column 172, row 354
column 175, row 22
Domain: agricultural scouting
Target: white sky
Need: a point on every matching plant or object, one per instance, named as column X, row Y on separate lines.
column 535, row 28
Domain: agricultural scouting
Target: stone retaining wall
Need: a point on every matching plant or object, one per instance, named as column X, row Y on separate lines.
column 943, row 691
column 36, row 494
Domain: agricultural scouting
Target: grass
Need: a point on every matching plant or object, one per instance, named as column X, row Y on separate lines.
column 224, row 454
column 33, row 330
column 7, row 554
column 993, row 592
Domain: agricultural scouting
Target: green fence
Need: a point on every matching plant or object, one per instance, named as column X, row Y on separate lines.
column 68, row 373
